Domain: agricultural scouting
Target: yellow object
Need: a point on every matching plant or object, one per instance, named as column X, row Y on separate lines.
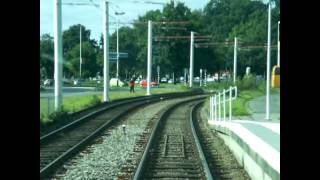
column 275, row 82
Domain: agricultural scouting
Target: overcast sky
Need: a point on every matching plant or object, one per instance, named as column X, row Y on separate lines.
column 91, row 16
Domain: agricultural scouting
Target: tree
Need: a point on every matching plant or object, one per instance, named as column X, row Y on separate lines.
column 46, row 56
column 71, row 37
column 89, row 62
column 71, row 49
column 222, row 20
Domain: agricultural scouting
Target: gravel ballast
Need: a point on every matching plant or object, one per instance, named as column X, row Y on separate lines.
column 104, row 160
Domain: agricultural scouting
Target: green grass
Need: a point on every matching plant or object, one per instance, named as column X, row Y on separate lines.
column 76, row 103
column 248, row 89
column 239, row 106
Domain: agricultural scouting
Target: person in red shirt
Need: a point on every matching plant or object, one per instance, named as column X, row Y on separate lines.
column 131, row 85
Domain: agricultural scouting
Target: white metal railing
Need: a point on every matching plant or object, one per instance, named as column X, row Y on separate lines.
column 216, row 106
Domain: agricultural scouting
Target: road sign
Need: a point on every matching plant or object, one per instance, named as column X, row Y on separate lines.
column 113, row 55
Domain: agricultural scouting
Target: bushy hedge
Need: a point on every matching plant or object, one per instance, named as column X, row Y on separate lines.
column 61, row 115
column 249, row 82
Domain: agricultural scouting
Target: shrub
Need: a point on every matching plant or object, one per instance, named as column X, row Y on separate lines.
column 42, row 88
column 250, row 83
column 247, row 83
column 183, row 87
column 95, row 100
column 58, row 115
column 220, row 85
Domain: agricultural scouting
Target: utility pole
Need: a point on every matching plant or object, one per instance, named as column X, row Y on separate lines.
column 278, row 43
column 80, row 52
column 185, row 76
column 118, row 13
column 191, row 59
column 149, row 57
column 205, row 78
column 268, row 65
column 235, row 60
column 200, row 78
column 117, row 53
column 106, row 53
column 57, row 55
column 173, row 79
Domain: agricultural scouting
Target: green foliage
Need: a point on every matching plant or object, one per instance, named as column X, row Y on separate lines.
column 250, row 83
column 89, row 63
column 46, row 56
column 185, row 88
column 58, row 115
column 221, row 19
column 61, row 115
column 220, row 85
column 95, row 100
column 247, row 83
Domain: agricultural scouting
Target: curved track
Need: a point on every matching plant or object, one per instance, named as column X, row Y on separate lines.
column 173, row 150
column 61, row 144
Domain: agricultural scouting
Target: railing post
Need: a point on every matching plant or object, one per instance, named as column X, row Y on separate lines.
column 211, row 108
column 215, row 107
column 230, row 103
column 224, row 104
column 219, row 107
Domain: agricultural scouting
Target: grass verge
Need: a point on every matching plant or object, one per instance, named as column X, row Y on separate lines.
column 76, row 103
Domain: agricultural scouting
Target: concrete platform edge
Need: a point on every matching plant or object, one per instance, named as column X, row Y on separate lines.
column 256, row 166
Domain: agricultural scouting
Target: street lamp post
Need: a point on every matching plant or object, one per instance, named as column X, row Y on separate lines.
column 200, row 77
column 106, row 53
column 278, row 43
column 118, row 13
column 191, row 59
column 268, row 65
column 235, row 60
column 80, row 52
column 57, row 55
column 149, row 57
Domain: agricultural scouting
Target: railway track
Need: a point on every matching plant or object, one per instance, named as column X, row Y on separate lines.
column 61, row 144
column 173, row 150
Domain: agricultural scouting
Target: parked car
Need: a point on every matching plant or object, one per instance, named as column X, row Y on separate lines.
column 143, row 83
column 48, row 82
column 113, row 82
column 154, row 84
column 210, row 79
column 137, row 81
column 170, row 81
column 76, row 82
column 164, row 80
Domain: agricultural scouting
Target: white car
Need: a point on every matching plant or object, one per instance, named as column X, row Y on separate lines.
column 163, row 80
column 170, row 81
column 48, row 82
column 210, row 80
column 113, row 82
column 76, row 82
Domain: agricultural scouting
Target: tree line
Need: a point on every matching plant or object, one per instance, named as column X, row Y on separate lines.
column 220, row 21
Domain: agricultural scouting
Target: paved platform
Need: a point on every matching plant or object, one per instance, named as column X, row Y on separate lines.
column 256, row 145
column 255, row 141
column 257, row 109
